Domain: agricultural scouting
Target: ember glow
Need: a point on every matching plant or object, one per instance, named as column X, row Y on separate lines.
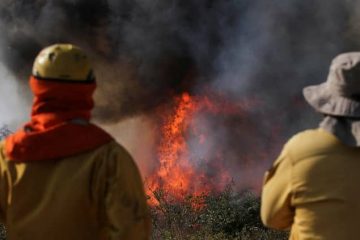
column 177, row 173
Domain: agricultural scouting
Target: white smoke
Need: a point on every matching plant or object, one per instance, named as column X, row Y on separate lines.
column 138, row 136
column 14, row 109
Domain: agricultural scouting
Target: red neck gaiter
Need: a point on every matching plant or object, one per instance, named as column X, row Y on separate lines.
column 59, row 125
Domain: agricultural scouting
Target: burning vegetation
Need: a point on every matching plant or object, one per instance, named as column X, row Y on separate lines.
column 192, row 196
column 177, row 174
column 181, row 170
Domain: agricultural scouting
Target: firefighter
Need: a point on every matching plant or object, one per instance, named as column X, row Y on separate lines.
column 61, row 177
column 312, row 187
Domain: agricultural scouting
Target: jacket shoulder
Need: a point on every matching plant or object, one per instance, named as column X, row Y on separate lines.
column 116, row 150
column 312, row 142
column 116, row 156
column 108, row 149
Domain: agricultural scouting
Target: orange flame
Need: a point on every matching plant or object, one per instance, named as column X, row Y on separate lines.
column 176, row 174
column 175, row 169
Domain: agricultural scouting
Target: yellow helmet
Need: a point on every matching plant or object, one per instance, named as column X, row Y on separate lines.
column 62, row 62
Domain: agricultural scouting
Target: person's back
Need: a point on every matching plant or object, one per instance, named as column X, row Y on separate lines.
column 320, row 175
column 93, row 195
column 62, row 177
column 312, row 187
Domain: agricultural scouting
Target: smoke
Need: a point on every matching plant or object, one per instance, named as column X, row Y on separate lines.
column 138, row 135
column 13, row 108
column 145, row 52
column 148, row 50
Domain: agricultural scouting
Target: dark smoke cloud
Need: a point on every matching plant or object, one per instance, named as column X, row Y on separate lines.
column 164, row 47
column 158, row 45
column 146, row 51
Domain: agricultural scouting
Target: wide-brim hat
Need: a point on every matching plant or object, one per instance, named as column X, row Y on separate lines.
column 340, row 94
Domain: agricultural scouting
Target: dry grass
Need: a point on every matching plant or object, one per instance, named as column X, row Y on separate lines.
column 228, row 215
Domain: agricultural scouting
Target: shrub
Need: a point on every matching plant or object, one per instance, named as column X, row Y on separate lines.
column 228, row 215
column 4, row 131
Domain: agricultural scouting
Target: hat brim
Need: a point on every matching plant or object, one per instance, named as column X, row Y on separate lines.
column 322, row 100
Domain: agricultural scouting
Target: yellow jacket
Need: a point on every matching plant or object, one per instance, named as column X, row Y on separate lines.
column 94, row 195
column 313, row 187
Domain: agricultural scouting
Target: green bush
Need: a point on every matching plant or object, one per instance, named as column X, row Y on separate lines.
column 228, row 215
column 4, row 131
column 2, row 232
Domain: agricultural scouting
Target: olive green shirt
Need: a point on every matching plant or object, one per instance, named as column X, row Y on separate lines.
column 93, row 195
column 313, row 188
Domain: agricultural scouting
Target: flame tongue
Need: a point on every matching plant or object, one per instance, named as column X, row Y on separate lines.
column 176, row 174
column 175, row 170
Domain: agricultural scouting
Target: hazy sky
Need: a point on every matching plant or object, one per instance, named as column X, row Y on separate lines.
column 13, row 108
